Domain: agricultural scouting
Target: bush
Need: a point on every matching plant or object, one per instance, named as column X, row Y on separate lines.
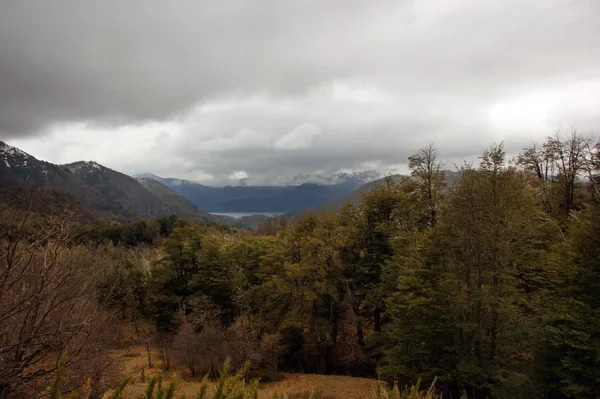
column 264, row 376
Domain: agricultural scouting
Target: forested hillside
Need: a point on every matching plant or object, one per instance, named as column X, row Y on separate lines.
column 486, row 288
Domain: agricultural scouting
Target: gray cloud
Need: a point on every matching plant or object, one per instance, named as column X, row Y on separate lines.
column 276, row 89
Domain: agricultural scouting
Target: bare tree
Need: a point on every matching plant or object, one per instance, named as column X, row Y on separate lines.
column 47, row 300
column 562, row 161
column 538, row 161
column 592, row 166
column 187, row 348
column 426, row 170
column 569, row 160
column 198, row 344
column 146, row 334
column 164, row 343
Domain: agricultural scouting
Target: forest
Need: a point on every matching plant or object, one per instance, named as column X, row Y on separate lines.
column 484, row 287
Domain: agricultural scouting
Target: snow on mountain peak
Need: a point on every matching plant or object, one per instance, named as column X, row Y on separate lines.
column 84, row 166
column 356, row 178
column 12, row 156
column 146, row 182
column 178, row 182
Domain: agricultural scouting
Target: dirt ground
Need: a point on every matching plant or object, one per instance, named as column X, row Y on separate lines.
column 135, row 360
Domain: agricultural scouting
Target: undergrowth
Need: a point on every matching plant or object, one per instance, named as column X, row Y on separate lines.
column 229, row 386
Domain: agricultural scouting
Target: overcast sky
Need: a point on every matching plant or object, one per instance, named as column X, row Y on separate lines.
column 221, row 90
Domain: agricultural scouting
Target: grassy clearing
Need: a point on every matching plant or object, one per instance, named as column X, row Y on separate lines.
column 134, row 362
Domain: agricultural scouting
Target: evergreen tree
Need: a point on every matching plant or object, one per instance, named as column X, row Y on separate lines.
column 461, row 301
column 571, row 352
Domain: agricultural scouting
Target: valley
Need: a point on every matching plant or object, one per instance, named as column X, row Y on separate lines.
column 284, row 199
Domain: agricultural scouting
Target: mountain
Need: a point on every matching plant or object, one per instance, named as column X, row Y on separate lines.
column 355, row 196
column 262, row 198
column 126, row 197
column 179, row 205
column 357, row 178
column 17, row 169
column 101, row 191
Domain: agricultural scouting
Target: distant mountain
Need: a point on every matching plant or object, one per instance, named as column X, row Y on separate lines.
column 355, row 196
column 179, row 205
column 176, row 203
column 262, row 198
column 357, row 178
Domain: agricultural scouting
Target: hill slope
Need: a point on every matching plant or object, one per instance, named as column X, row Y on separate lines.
column 121, row 195
column 179, row 205
column 17, row 169
column 355, row 196
column 174, row 203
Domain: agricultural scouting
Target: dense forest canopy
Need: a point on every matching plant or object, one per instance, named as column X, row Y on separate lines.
column 489, row 286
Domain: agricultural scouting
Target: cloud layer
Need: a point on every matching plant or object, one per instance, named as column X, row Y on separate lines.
column 270, row 90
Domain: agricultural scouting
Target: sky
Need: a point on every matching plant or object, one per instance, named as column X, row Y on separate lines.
column 268, row 90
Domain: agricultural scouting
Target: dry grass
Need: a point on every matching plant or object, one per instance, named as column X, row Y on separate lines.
column 135, row 360
column 332, row 386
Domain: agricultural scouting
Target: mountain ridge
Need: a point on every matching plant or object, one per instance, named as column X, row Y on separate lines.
column 337, row 204
column 101, row 191
column 284, row 199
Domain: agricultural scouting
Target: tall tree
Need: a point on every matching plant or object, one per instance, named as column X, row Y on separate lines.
column 460, row 302
column 562, row 160
column 537, row 160
column 593, row 167
column 303, row 300
column 426, row 168
column 571, row 350
column 375, row 226
column 491, row 213
column 569, row 159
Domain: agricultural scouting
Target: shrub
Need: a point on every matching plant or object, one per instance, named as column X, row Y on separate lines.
column 264, row 375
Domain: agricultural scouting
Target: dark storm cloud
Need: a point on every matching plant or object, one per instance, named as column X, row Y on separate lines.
column 281, row 88
column 145, row 60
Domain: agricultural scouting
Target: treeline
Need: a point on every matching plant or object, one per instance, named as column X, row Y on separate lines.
column 490, row 287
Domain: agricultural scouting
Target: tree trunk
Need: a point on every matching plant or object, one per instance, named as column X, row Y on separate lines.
column 148, row 351
column 455, row 390
column 469, row 391
column 360, row 333
column 377, row 319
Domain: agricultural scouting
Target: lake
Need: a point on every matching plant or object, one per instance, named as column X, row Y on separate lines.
column 238, row 215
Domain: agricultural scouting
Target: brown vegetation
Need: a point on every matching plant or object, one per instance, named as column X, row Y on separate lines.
column 48, row 307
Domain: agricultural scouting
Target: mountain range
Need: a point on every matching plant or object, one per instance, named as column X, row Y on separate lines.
column 281, row 199
column 101, row 191
column 105, row 192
